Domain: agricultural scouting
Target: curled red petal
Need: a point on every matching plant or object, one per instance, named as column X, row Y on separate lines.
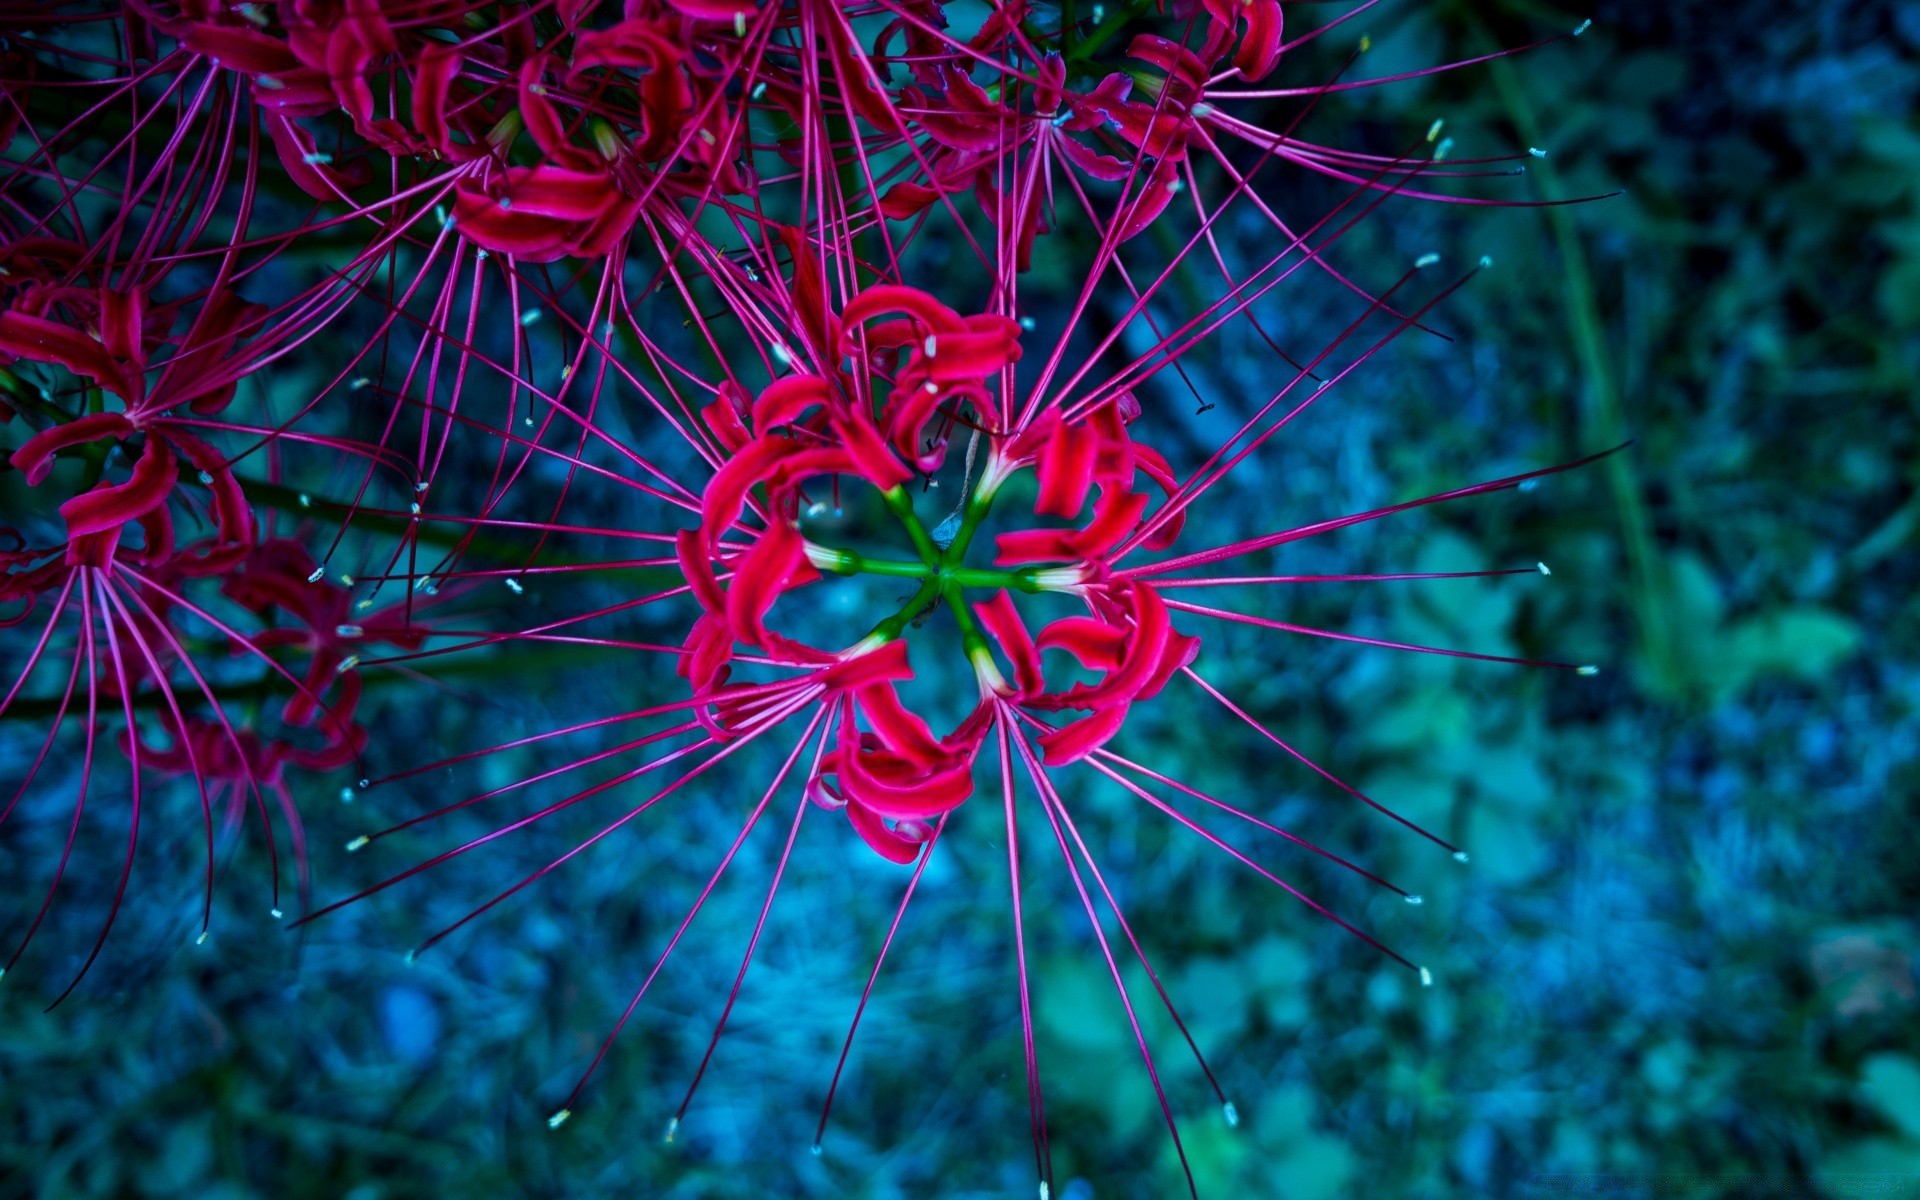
column 723, row 418
column 1097, row 644
column 899, row 730
column 883, row 841
column 543, row 121
column 1150, row 461
column 725, row 12
column 35, row 458
column 872, row 459
column 727, row 491
column 631, row 43
column 1142, row 659
column 1180, row 650
column 1075, row 740
column 708, row 647
column 233, row 517
column 759, row 576
column 883, row 664
column 545, row 213
column 40, row 340
column 94, row 519
column 1002, row 620
column 1152, row 199
column 247, row 51
column 784, row 401
column 886, row 298
column 906, row 200
column 1065, row 469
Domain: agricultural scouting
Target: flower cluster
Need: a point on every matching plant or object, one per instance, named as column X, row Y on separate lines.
column 306, row 300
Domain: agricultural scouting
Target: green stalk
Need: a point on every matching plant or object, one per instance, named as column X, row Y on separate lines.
column 1600, row 412
column 900, row 504
column 892, row 627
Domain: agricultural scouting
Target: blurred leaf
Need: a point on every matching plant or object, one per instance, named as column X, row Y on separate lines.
column 1891, row 1084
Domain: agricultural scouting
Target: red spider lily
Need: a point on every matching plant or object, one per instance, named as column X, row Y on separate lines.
column 855, row 410
column 875, row 759
column 123, row 487
column 586, row 160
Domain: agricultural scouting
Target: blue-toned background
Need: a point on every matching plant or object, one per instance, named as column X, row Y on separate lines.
column 1686, row 942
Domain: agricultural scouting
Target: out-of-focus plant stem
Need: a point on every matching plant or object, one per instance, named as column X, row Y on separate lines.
column 1601, row 422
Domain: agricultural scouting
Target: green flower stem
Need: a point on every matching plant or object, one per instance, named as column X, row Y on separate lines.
column 849, row 562
column 971, row 639
column 989, row 577
column 1100, row 33
column 977, row 506
column 916, row 604
column 901, row 505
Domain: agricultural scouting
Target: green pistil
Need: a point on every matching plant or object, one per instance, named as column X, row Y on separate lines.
column 848, row 562
column 942, row 573
column 900, row 504
column 971, row 639
column 896, row 625
column 977, row 506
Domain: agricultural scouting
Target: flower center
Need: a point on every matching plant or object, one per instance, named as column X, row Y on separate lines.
column 940, row 568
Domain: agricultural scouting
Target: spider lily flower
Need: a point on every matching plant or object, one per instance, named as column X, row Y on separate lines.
column 748, row 163
column 125, row 487
column 327, row 626
column 852, row 419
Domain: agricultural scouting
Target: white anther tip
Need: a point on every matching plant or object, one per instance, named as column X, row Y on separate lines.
column 558, row 1119
column 1536, row 152
column 1425, row 261
column 1414, row 898
column 358, row 842
column 1231, row 1113
column 1460, row 856
column 1544, row 568
column 1426, row 977
column 202, row 939
column 1582, row 27
column 513, row 585
column 673, row 1127
column 277, row 914
column 1588, row 669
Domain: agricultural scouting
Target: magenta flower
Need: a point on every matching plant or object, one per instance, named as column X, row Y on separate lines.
column 845, row 204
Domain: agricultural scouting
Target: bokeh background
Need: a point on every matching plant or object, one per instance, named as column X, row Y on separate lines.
column 1686, row 942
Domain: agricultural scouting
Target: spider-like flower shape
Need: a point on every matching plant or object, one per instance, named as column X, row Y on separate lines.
column 500, row 201
column 890, row 774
